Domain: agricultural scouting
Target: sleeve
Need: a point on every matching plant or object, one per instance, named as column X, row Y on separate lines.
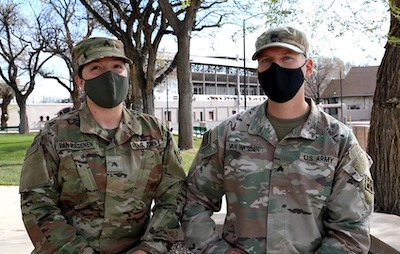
column 204, row 194
column 44, row 222
column 164, row 224
column 350, row 206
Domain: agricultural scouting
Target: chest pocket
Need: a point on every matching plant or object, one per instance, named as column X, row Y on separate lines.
column 150, row 154
column 79, row 187
column 313, row 174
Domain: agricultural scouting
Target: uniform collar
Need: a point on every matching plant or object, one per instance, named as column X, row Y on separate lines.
column 128, row 127
column 309, row 128
column 261, row 126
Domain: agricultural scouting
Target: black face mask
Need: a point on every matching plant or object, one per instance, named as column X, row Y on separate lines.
column 281, row 84
column 108, row 89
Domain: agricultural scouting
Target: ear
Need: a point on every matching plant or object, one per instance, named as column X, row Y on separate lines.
column 79, row 81
column 309, row 67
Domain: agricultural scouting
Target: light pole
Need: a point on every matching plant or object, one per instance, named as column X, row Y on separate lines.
column 167, row 100
column 244, row 64
column 167, row 113
column 341, row 97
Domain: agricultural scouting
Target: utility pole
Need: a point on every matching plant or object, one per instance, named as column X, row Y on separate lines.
column 341, row 96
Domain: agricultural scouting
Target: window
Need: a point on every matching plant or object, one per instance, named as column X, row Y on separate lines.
column 197, row 68
column 167, row 115
column 209, row 68
column 252, row 91
column 197, row 89
column 220, row 69
column 211, row 115
column 231, row 71
column 353, row 107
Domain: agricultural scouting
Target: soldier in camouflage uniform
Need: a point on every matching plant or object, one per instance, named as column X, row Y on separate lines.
column 294, row 178
column 102, row 179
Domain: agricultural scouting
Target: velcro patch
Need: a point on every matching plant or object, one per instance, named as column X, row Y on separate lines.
column 319, row 158
column 207, row 147
column 34, row 170
column 147, row 144
column 362, row 165
column 70, row 145
column 244, row 147
column 114, row 163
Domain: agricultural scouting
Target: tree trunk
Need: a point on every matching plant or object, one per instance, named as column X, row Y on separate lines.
column 76, row 97
column 4, row 110
column 185, row 90
column 23, row 118
column 148, row 99
column 135, row 93
column 384, row 133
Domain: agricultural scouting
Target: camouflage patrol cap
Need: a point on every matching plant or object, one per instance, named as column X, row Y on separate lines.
column 287, row 37
column 94, row 48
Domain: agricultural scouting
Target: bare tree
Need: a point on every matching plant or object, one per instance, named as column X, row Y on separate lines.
column 140, row 25
column 6, row 95
column 325, row 69
column 182, row 18
column 64, row 23
column 21, row 54
column 384, row 133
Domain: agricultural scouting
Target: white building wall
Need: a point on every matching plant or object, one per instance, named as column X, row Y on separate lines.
column 362, row 113
column 214, row 109
column 34, row 112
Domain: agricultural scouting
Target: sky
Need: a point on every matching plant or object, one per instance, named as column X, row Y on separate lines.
column 353, row 47
column 345, row 48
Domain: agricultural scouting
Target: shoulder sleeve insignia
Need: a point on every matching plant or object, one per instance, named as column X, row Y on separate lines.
column 362, row 163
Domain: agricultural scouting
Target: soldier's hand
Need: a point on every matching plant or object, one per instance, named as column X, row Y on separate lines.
column 235, row 251
column 139, row 252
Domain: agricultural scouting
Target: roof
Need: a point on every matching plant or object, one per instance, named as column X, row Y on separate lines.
column 223, row 61
column 214, row 60
column 360, row 81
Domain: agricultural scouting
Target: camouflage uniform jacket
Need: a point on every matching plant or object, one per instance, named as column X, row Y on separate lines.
column 84, row 193
column 311, row 192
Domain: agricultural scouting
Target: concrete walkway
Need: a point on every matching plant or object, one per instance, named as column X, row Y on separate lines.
column 13, row 236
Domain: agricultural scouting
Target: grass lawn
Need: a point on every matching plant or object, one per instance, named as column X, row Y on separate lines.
column 12, row 153
column 13, row 148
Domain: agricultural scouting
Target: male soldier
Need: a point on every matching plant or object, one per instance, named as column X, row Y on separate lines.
column 294, row 178
column 90, row 176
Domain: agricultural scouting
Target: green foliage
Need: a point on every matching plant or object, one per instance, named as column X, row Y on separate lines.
column 185, row 4
column 395, row 12
column 13, row 148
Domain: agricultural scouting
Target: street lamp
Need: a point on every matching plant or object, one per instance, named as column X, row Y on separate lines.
column 244, row 64
column 341, row 96
column 167, row 116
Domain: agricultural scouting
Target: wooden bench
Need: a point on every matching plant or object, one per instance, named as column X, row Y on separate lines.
column 385, row 233
column 7, row 128
column 198, row 131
